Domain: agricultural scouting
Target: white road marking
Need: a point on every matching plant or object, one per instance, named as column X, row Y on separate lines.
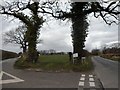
column 92, row 84
column 10, row 81
column 90, row 75
column 81, row 83
column 91, row 79
column 14, row 80
column 82, row 78
column 83, row 75
column 10, row 75
column 1, row 73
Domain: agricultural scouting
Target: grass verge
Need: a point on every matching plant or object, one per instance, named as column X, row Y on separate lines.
column 111, row 57
column 59, row 63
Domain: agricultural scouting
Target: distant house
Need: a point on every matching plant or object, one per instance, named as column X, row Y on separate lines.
column 47, row 52
column 112, row 49
column 52, row 51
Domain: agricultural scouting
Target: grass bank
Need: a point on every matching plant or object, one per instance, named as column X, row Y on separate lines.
column 58, row 63
column 111, row 57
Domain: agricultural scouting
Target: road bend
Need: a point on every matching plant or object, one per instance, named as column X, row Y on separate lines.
column 107, row 71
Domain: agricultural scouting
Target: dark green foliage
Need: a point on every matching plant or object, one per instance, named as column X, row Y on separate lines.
column 32, row 36
column 87, row 65
column 95, row 52
column 80, row 26
column 33, row 23
column 33, row 32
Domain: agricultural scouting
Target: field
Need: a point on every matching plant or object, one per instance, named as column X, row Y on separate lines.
column 56, row 63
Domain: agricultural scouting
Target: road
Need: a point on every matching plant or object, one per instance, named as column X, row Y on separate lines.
column 107, row 71
column 34, row 79
column 16, row 78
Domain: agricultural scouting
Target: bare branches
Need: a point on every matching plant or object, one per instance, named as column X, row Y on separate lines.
column 55, row 9
column 109, row 13
column 15, row 9
column 17, row 36
column 15, row 6
column 112, row 3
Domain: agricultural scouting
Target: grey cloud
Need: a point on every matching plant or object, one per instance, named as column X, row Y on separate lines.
column 100, row 34
column 7, row 24
column 11, row 47
column 57, row 35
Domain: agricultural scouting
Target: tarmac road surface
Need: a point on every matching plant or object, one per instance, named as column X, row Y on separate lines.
column 107, row 71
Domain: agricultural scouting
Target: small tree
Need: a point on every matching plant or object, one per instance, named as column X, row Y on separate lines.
column 113, row 49
column 32, row 21
column 17, row 36
column 95, row 52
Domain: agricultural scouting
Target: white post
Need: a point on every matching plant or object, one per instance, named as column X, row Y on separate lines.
column 75, row 55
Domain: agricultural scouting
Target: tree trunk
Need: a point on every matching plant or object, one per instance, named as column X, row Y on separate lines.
column 24, row 49
column 77, row 37
column 79, row 34
column 32, row 39
column 79, row 25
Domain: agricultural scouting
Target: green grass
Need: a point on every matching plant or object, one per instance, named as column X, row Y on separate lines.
column 54, row 59
column 54, row 62
column 58, row 63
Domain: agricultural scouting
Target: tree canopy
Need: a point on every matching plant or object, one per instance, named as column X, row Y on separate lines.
column 77, row 12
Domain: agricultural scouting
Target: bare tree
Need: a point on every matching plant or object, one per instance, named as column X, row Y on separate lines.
column 78, row 14
column 17, row 36
column 33, row 22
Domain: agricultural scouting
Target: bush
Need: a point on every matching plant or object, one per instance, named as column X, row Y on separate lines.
column 111, row 57
column 84, row 66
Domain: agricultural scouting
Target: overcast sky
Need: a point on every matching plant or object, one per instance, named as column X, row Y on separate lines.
column 57, row 35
